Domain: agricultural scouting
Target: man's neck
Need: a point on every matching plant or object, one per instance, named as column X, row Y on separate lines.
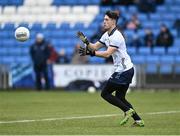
column 111, row 29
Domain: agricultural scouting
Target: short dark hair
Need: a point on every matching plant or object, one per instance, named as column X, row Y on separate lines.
column 112, row 14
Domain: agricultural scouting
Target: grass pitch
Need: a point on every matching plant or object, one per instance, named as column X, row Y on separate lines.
column 80, row 113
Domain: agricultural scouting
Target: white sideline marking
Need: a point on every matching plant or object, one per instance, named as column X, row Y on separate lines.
column 161, row 112
column 82, row 117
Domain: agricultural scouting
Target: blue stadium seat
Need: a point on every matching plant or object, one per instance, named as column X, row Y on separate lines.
column 65, row 26
column 174, row 8
column 177, row 2
column 11, row 2
column 37, row 27
column 69, row 51
column 167, row 59
column 8, row 59
column 159, row 50
column 99, row 18
column 152, row 59
column 173, row 51
column 71, row 2
column 169, row 23
column 93, row 26
column 8, row 42
column 155, row 17
column 155, row 31
column 142, row 17
column 47, row 34
column 1, row 61
column 3, row 51
column 177, row 60
column 166, row 69
column 96, row 60
column 33, row 34
column 169, row 2
column 177, row 69
column 174, row 32
column 89, row 33
column 151, row 68
column 95, row 2
column 57, row 48
column 3, row 2
column 161, row 9
column 78, row 26
column 84, row 2
column 25, row 50
column 144, row 51
column 50, row 26
column 71, row 34
column 88, row 2
column 129, row 34
column 138, row 59
column 149, row 24
column 66, row 43
column 24, row 44
column 57, row 2
column 177, row 64
column 166, row 64
column 24, row 25
column 9, row 27
column 14, row 51
column 4, row 34
column 152, row 62
column 56, row 42
column 141, row 33
column 122, row 9
column 15, row 2
column 169, row 16
column 57, row 34
column 132, row 9
column 132, row 50
column 103, row 9
column 23, row 60
column 177, row 42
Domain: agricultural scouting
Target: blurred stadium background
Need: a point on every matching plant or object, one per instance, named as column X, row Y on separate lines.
column 59, row 20
column 54, row 112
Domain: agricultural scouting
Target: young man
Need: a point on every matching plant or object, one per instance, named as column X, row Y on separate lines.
column 124, row 71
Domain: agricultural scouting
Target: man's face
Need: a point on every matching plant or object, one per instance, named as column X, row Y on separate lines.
column 108, row 22
column 147, row 31
column 39, row 40
column 163, row 29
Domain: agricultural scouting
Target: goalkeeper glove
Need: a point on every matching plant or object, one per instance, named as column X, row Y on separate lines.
column 83, row 37
column 86, row 51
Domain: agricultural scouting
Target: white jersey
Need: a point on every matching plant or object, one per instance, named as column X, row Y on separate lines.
column 121, row 59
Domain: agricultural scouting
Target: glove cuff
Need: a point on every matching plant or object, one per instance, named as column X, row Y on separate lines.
column 93, row 53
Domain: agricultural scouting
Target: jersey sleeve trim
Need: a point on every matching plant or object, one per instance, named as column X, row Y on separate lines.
column 102, row 42
column 114, row 46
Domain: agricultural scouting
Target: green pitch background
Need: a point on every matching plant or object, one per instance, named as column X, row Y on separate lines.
column 32, row 105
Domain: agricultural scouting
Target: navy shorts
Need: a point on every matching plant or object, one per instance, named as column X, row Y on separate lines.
column 122, row 78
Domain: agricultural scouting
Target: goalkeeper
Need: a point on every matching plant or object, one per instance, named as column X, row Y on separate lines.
column 124, row 71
